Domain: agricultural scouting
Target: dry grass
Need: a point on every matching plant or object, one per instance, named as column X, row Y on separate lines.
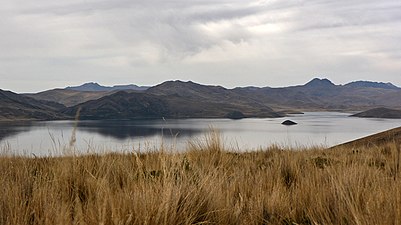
column 205, row 185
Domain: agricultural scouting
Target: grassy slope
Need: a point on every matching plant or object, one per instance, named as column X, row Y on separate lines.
column 205, row 185
column 376, row 140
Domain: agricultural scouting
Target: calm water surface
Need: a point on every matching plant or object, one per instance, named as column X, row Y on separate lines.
column 52, row 138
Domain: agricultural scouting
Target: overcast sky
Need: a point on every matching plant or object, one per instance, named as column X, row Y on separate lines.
column 57, row 43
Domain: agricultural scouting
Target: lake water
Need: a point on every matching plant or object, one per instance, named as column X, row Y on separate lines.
column 313, row 129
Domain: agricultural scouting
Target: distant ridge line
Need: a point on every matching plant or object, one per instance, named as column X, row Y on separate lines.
column 93, row 86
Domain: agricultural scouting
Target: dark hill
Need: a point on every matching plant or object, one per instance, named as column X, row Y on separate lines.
column 15, row 106
column 211, row 100
column 189, row 90
column 122, row 105
column 204, row 93
column 319, row 83
column 380, row 113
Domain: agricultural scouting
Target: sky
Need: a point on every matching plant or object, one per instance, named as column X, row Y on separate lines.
column 56, row 43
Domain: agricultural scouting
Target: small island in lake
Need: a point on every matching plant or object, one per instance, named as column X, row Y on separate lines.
column 289, row 123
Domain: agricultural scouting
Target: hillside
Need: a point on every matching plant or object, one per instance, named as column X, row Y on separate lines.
column 173, row 99
column 215, row 101
column 376, row 140
column 217, row 96
column 380, row 113
column 15, row 106
column 121, row 105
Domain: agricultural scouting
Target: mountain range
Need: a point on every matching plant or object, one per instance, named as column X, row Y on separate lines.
column 172, row 99
column 322, row 94
column 178, row 99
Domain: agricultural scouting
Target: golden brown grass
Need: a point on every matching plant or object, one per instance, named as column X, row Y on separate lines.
column 205, row 185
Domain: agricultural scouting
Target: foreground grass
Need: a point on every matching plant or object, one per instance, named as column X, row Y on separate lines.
column 205, row 185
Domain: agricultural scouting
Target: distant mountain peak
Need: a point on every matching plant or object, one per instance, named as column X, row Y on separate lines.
column 93, row 86
column 371, row 84
column 89, row 86
column 317, row 82
column 181, row 84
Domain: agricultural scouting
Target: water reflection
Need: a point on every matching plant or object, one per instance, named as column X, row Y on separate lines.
column 9, row 129
column 123, row 130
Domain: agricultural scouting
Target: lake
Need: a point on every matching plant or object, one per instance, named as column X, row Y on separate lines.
column 313, row 129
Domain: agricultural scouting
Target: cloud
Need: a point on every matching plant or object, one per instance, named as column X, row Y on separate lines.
column 146, row 42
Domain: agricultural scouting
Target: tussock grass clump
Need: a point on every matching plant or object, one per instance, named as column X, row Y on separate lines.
column 205, row 185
